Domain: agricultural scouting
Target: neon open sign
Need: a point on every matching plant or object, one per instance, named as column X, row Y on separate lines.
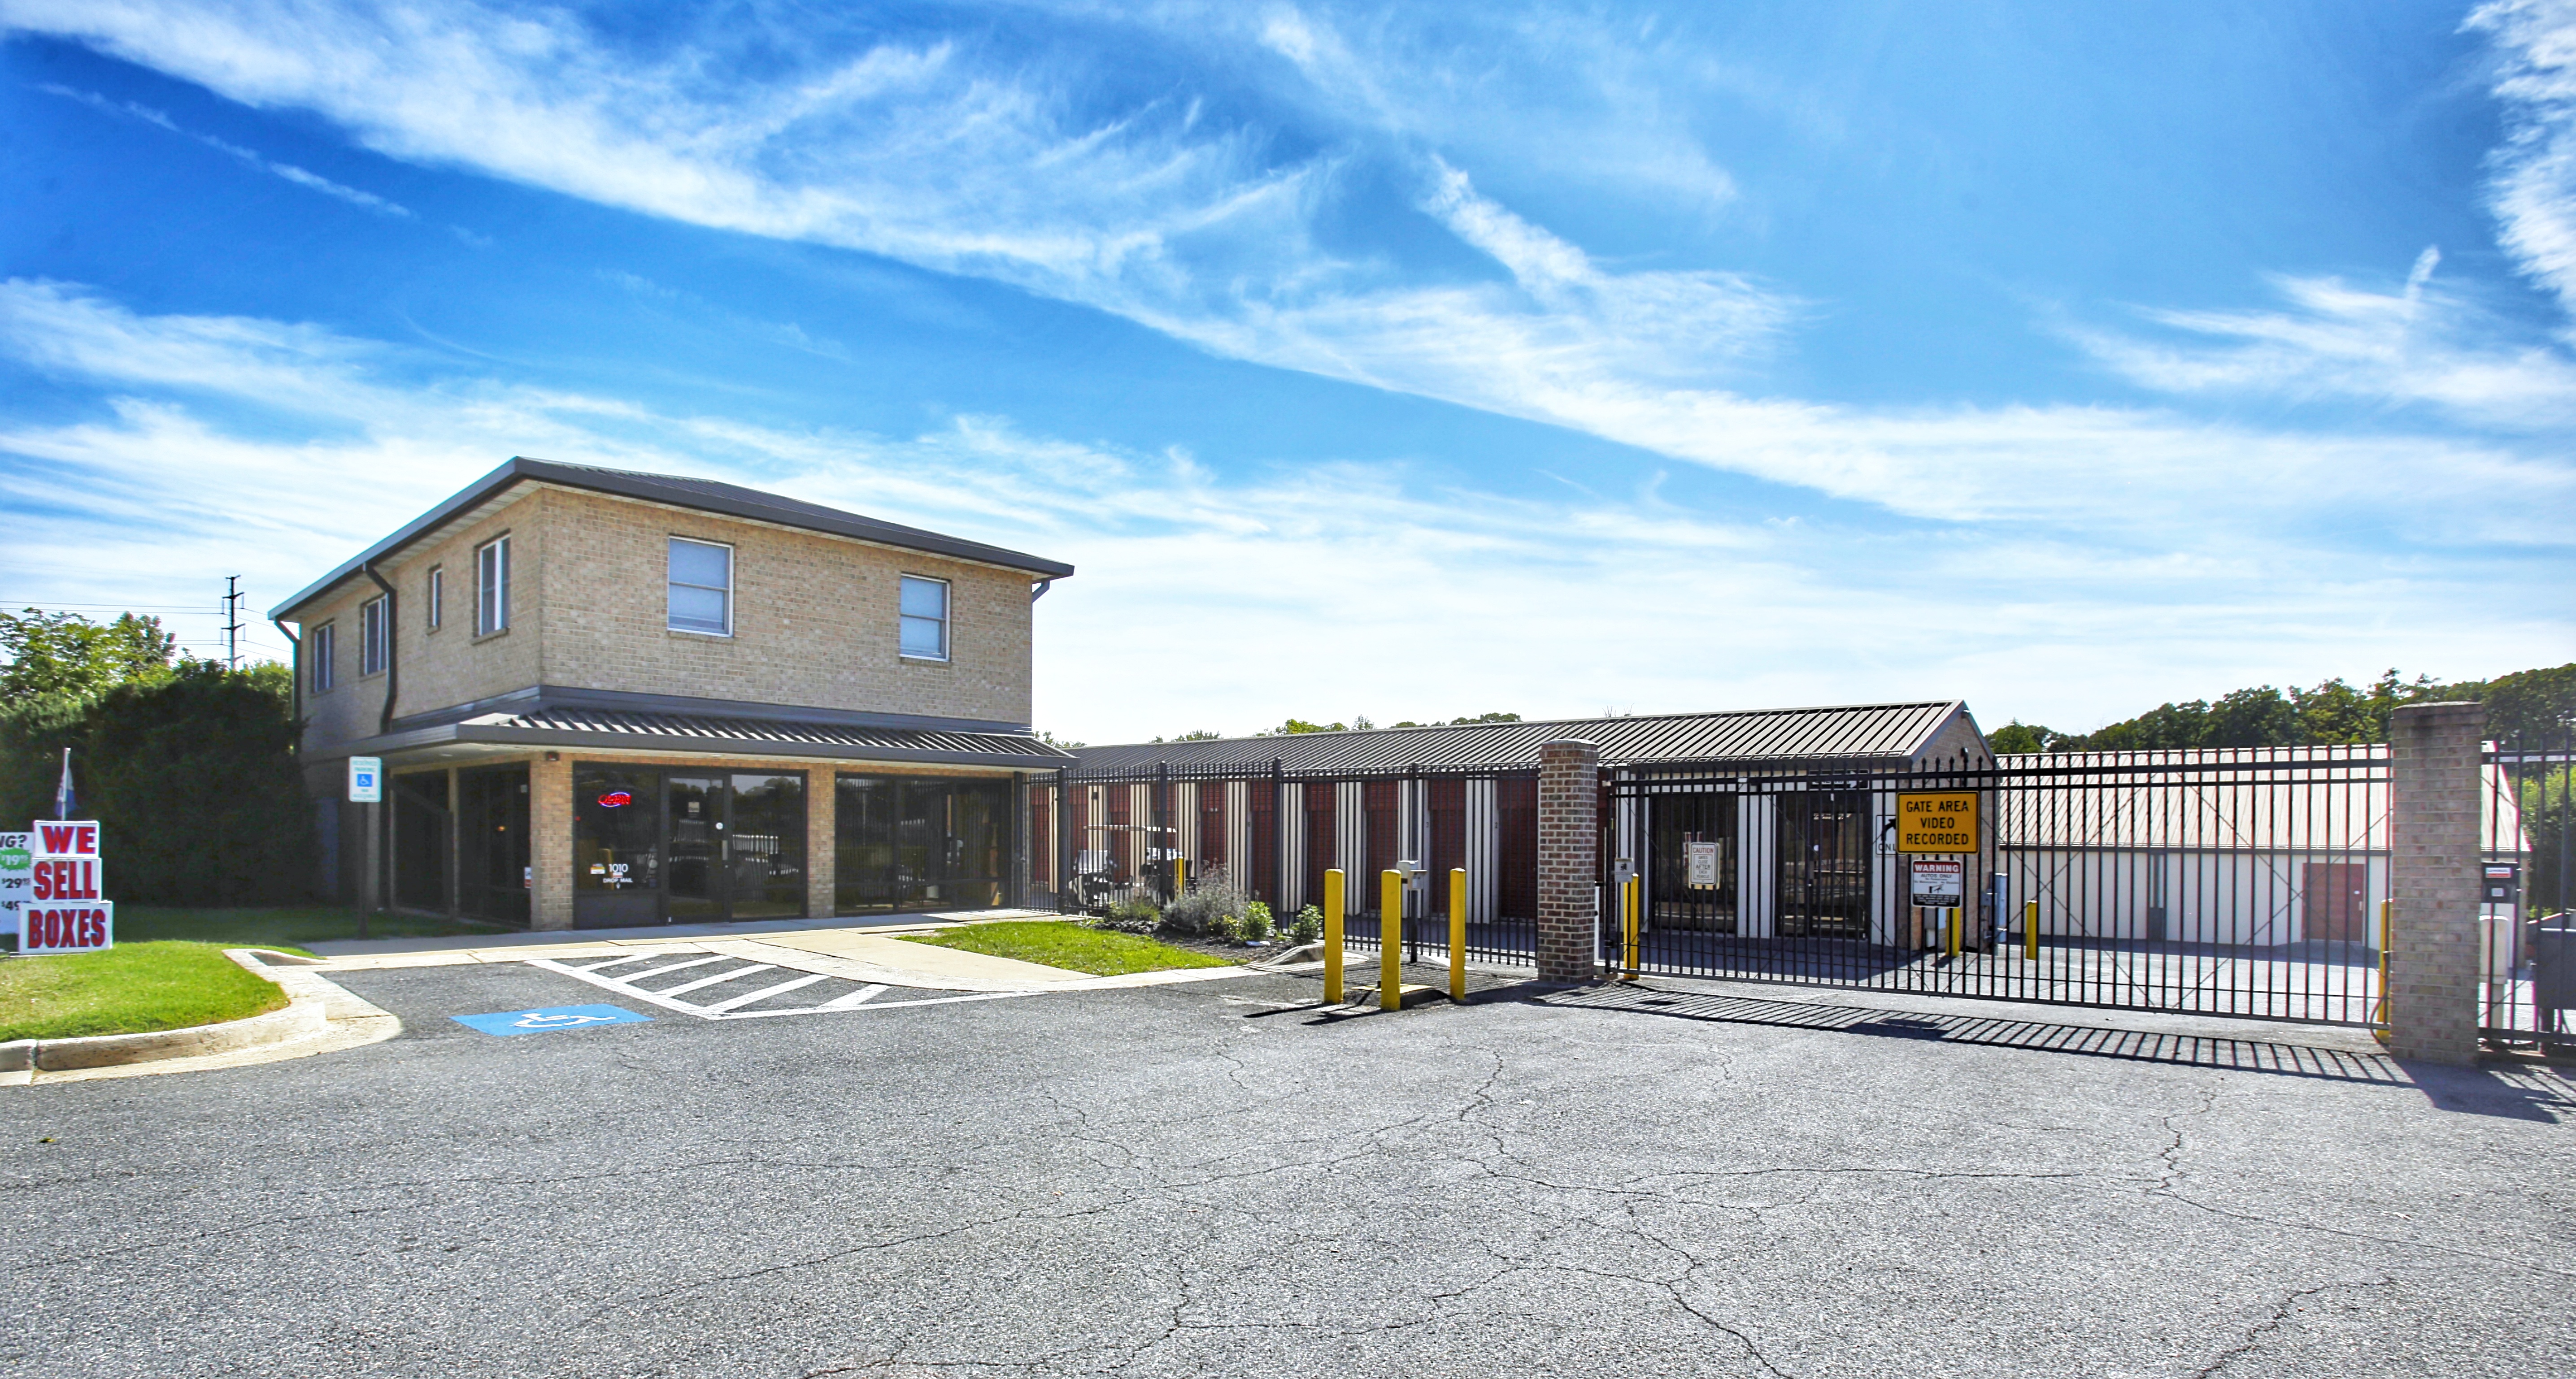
column 616, row 799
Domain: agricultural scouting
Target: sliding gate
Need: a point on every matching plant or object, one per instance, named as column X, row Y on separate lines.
column 2230, row 882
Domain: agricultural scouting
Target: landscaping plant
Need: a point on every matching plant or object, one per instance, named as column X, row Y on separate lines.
column 1135, row 915
column 1210, row 908
column 1256, row 923
column 1308, row 927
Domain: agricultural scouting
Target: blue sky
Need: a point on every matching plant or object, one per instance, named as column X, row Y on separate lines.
column 1556, row 359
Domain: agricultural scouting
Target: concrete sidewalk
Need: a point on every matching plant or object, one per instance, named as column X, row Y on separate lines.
column 866, row 952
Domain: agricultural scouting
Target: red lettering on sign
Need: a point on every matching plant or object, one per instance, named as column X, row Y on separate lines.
column 58, row 839
column 87, row 884
column 88, row 842
column 43, row 880
column 89, row 929
column 53, row 929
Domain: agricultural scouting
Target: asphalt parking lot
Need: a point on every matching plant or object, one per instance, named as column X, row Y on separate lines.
column 1219, row 1179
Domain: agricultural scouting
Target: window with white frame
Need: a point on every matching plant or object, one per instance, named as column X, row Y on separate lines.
column 701, row 587
column 925, row 618
column 492, row 587
column 318, row 646
column 437, row 600
column 371, row 636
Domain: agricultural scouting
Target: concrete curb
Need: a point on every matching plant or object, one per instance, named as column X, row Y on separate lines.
column 304, row 1017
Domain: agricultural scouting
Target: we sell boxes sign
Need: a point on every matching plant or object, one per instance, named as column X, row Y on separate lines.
column 51, row 873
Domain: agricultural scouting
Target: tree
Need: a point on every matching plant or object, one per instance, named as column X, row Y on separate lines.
column 191, row 774
column 1294, row 726
column 2017, row 736
column 2532, row 704
column 1195, row 735
column 66, row 654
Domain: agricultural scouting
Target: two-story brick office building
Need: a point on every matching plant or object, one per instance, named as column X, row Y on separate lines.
column 607, row 699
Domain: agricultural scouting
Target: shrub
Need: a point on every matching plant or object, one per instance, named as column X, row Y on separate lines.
column 1210, row 907
column 1134, row 915
column 192, row 776
column 1257, row 922
column 1308, row 926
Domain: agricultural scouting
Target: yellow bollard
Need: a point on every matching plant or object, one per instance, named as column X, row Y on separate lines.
column 1458, row 934
column 2387, row 935
column 1953, row 925
column 1333, row 937
column 2030, row 930
column 1180, row 877
column 1390, row 940
column 1629, row 891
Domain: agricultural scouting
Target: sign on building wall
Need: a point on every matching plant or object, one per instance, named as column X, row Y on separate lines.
column 1942, row 885
column 1936, row 821
column 63, row 907
column 1702, row 860
column 366, row 780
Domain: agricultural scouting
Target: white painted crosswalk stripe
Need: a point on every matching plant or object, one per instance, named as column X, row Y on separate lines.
column 739, row 1006
column 855, row 999
column 766, row 992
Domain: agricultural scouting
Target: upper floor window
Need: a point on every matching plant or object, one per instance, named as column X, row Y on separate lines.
column 371, row 636
column 925, row 618
column 318, row 646
column 437, row 600
column 492, row 587
column 701, row 587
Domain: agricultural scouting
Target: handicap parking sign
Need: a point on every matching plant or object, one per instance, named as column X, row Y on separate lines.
column 550, row 1017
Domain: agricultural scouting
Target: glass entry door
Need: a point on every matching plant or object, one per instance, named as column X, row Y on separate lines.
column 686, row 847
column 697, row 812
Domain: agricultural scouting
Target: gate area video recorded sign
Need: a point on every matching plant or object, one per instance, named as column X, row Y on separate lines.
column 1940, row 884
column 1937, row 821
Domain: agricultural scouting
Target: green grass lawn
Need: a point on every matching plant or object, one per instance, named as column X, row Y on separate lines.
column 271, row 926
column 1062, row 943
column 128, row 989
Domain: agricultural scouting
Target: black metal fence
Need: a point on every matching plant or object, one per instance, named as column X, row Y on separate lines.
column 2527, row 915
column 2249, row 883
column 2232, row 882
column 1273, row 833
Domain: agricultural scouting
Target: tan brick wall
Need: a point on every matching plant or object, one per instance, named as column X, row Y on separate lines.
column 814, row 617
column 2436, row 756
column 814, row 621
column 434, row 669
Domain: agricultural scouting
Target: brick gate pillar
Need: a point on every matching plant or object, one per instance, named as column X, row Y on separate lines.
column 2436, row 761
column 1569, row 834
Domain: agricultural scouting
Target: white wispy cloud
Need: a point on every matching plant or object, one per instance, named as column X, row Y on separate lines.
column 936, row 154
column 2534, row 189
column 2418, row 344
column 312, row 181
column 1233, row 602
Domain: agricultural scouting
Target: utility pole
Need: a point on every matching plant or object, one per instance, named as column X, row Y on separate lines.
column 232, row 622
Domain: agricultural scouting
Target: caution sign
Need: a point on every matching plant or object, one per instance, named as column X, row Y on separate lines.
column 1937, row 821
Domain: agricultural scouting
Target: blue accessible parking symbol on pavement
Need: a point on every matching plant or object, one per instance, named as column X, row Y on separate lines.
column 550, row 1017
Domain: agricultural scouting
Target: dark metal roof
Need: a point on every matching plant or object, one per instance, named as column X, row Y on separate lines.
column 575, row 729
column 703, row 495
column 1861, row 732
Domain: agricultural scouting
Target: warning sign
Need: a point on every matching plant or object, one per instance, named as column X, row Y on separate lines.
column 1940, row 885
column 1937, row 821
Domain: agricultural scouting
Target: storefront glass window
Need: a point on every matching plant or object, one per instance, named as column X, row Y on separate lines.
column 906, row 843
